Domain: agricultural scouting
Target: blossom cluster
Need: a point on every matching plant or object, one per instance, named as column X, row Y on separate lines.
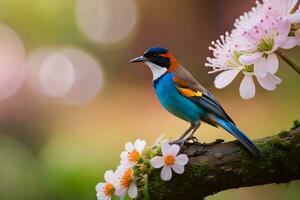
column 252, row 46
column 136, row 162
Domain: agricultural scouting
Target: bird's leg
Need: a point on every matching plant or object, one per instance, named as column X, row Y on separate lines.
column 186, row 132
column 195, row 127
column 181, row 140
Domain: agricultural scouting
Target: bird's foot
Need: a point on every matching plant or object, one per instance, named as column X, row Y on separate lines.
column 179, row 142
column 192, row 140
column 189, row 140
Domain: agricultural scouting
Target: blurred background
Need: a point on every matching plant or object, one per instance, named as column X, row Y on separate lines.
column 69, row 99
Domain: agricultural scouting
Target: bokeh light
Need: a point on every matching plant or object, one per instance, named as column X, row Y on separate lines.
column 56, row 75
column 12, row 56
column 106, row 21
column 67, row 73
column 33, row 66
column 88, row 77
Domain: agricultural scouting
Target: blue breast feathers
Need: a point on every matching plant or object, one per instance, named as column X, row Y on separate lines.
column 174, row 102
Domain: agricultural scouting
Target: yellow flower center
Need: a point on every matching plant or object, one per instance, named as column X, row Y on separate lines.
column 108, row 189
column 133, row 156
column 169, row 160
column 126, row 178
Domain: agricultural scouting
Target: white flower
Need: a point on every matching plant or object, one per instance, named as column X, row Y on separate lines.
column 247, row 86
column 225, row 78
column 105, row 190
column 133, row 152
column 283, row 8
column 169, row 161
column 125, row 182
column 225, row 54
column 292, row 41
column 269, row 82
column 250, row 47
column 262, row 34
column 263, row 66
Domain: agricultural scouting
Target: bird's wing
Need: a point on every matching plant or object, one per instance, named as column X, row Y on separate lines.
column 189, row 87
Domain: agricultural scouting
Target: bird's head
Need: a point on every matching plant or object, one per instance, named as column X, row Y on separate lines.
column 159, row 60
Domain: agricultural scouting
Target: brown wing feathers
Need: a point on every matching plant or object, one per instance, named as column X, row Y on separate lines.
column 189, row 87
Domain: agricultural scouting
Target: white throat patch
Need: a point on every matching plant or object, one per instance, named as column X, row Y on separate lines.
column 157, row 71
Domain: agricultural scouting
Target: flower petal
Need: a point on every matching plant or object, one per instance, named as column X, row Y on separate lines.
column 139, row 145
column 99, row 187
column 129, row 147
column 121, row 191
column 294, row 18
column 157, row 162
column 179, row 169
column 109, row 176
column 182, row 159
column 283, row 32
column 127, row 164
column 119, row 171
column 132, row 190
column 290, row 42
column 260, row 68
column 275, row 79
column 270, row 82
column 102, row 196
column 225, row 78
column 248, row 59
column 124, row 155
column 166, row 173
column 272, row 63
column 247, row 87
column 174, row 149
column 266, row 83
column 165, row 148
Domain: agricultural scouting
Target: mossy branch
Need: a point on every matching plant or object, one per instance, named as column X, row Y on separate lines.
column 216, row 167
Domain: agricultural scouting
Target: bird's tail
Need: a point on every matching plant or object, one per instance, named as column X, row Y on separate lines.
column 239, row 135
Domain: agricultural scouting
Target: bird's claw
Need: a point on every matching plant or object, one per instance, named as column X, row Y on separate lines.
column 189, row 140
column 193, row 139
column 178, row 142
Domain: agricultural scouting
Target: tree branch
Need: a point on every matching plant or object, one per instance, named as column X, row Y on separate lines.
column 216, row 167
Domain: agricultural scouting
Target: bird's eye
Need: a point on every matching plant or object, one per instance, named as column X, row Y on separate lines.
column 155, row 55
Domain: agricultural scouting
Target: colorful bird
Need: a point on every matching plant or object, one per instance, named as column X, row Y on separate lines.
column 183, row 96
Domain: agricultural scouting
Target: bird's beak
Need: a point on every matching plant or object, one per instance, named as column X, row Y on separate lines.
column 138, row 59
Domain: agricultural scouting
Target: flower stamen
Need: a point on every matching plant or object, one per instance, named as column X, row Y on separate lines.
column 108, row 189
column 126, row 178
column 133, row 156
column 169, row 160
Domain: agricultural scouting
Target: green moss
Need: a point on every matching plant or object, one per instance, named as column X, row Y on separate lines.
column 278, row 157
column 175, row 187
column 273, row 151
column 296, row 124
column 200, row 170
column 156, row 184
column 283, row 133
column 240, row 171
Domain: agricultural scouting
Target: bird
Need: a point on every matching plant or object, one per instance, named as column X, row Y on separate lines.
column 183, row 96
